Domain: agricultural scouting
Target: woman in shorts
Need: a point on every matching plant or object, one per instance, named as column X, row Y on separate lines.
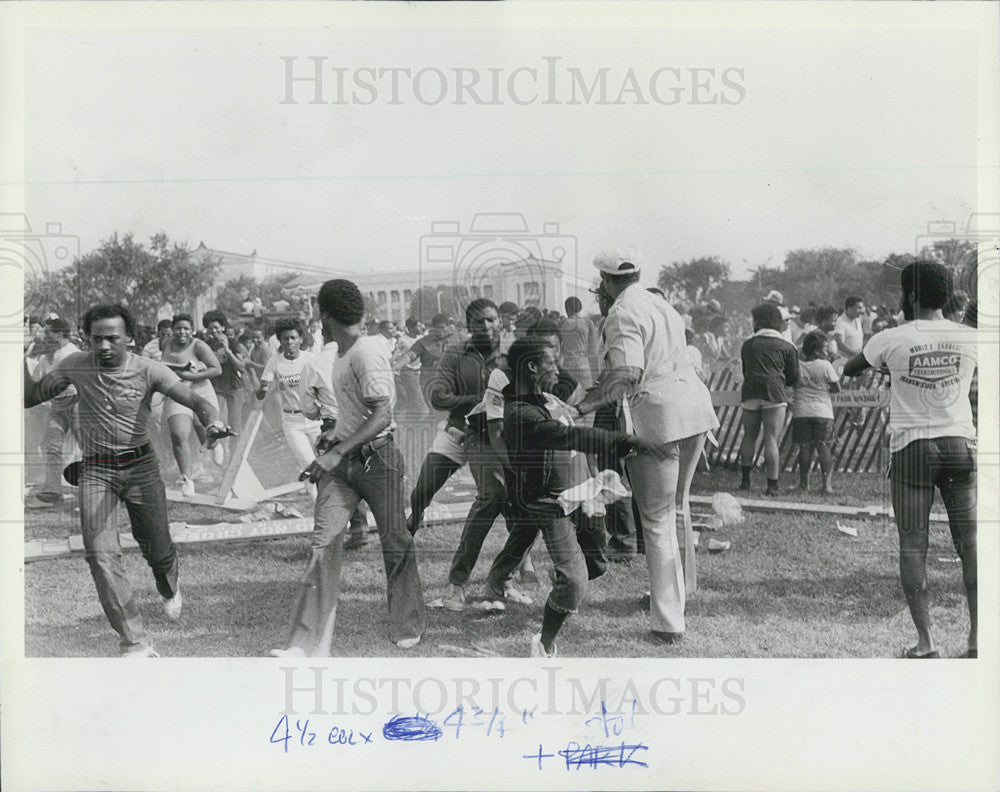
column 812, row 411
column 770, row 369
column 195, row 363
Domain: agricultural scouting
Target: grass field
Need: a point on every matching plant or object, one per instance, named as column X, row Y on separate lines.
column 790, row 586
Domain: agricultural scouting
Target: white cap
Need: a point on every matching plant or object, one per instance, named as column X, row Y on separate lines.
column 619, row 261
column 775, row 296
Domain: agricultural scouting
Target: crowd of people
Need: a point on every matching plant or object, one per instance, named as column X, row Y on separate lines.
column 547, row 410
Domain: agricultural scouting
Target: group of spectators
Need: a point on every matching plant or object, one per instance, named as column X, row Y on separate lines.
column 513, row 388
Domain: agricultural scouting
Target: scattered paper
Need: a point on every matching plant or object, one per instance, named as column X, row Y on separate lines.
column 727, row 509
column 850, row 530
column 718, row 546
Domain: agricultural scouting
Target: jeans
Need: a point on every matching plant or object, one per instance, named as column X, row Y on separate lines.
column 489, row 503
column 620, row 519
column 569, row 566
column 60, row 425
column 138, row 485
column 379, row 480
column 236, row 407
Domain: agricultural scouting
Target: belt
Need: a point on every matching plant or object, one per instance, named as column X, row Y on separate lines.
column 292, row 412
column 370, row 447
column 145, row 451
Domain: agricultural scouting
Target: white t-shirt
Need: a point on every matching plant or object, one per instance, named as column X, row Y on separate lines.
column 361, row 376
column 850, row 331
column 931, row 363
column 288, row 374
column 812, row 391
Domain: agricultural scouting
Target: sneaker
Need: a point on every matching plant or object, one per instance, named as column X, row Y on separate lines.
column 537, row 650
column 218, row 454
column 512, row 594
column 291, row 651
column 407, row 643
column 142, row 650
column 454, row 598
column 187, row 487
column 172, row 606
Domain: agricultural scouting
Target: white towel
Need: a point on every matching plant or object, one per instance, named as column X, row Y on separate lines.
column 594, row 494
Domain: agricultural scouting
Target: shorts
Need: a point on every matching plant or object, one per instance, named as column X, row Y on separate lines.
column 812, row 430
column 202, row 388
column 448, row 442
column 755, row 405
column 937, row 460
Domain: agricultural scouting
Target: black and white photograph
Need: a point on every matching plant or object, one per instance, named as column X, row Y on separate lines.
column 500, row 395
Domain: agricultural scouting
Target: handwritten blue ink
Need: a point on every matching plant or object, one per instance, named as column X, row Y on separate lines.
column 411, row 728
column 594, row 756
column 576, row 756
column 281, row 739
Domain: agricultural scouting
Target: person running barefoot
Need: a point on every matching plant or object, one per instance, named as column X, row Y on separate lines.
column 193, row 361
column 812, row 411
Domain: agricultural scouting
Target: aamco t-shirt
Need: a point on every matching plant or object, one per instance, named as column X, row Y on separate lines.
column 288, row 374
column 931, row 363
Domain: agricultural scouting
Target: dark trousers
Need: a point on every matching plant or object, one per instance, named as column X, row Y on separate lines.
column 489, row 503
column 138, row 485
column 621, row 520
column 434, row 472
column 569, row 565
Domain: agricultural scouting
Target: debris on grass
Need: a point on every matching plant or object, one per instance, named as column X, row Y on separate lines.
column 726, row 510
column 718, row 546
column 850, row 530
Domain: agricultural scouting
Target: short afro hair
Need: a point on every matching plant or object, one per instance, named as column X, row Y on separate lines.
column 813, row 343
column 182, row 317
column 214, row 316
column 546, row 326
column 99, row 312
column 478, row 306
column 573, row 306
column 284, row 325
column 767, row 316
column 524, row 351
column 341, row 300
column 927, row 283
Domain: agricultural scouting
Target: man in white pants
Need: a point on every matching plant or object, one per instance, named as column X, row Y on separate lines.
column 668, row 402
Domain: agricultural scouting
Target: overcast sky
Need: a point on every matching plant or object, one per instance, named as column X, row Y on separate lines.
column 850, row 138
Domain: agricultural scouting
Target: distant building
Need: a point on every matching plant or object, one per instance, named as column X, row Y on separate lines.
column 495, row 258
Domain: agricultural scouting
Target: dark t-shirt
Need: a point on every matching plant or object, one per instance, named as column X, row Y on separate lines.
column 231, row 379
column 770, row 367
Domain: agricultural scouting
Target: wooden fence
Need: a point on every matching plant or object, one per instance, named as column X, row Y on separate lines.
column 860, row 444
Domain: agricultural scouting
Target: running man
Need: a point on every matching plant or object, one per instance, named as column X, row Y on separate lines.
column 114, row 388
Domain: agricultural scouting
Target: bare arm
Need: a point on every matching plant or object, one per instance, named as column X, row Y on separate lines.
column 207, row 414
column 404, row 360
column 856, row 365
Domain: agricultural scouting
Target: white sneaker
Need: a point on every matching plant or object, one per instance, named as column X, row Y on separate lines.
column 291, row 651
column 172, row 606
column 454, row 598
column 512, row 594
column 140, row 651
column 537, row 650
column 218, row 454
column 407, row 643
column 187, row 487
